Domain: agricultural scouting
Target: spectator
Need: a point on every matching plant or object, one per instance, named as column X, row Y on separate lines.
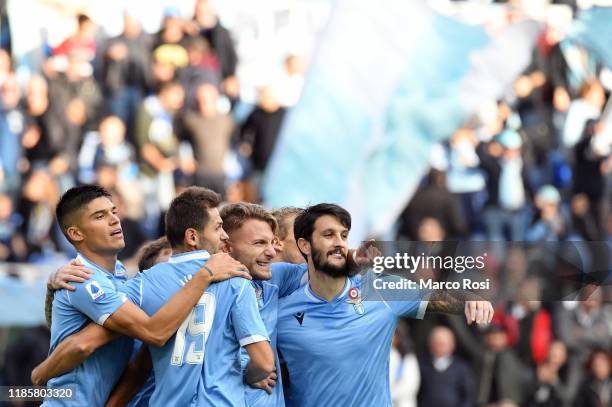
column 501, row 375
column 12, row 244
column 125, row 72
column 82, row 42
column 12, row 126
column 219, row 38
column 507, row 185
column 404, row 369
column 442, row 370
column 550, row 223
column 587, row 107
column 169, row 43
column 596, row 390
column 434, row 201
column 465, row 179
column 260, row 131
column 586, row 326
column 203, row 68
column 550, row 389
column 158, row 147
column 292, row 81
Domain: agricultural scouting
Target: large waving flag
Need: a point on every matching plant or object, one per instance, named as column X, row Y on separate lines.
column 388, row 81
column 593, row 30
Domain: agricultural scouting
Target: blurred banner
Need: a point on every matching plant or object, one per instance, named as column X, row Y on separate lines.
column 22, row 294
column 384, row 86
column 593, row 30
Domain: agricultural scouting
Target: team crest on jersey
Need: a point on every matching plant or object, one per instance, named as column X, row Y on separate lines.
column 355, row 299
column 95, row 291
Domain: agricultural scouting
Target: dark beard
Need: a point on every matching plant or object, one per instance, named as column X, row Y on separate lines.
column 321, row 264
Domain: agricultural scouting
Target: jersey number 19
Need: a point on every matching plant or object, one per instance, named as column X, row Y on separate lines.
column 197, row 325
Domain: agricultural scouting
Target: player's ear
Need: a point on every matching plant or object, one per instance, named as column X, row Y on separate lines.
column 191, row 237
column 74, row 234
column 304, row 246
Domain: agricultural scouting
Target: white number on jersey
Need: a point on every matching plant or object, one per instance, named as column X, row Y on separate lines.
column 197, row 324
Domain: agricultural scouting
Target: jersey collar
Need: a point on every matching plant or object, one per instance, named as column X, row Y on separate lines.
column 119, row 267
column 314, row 297
column 188, row 256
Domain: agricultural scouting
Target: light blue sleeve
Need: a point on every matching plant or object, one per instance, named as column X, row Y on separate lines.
column 287, row 277
column 247, row 322
column 404, row 301
column 133, row 289
column 97, row 298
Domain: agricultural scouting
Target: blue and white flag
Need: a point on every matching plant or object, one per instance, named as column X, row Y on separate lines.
column 593, row 31
column 388, row 81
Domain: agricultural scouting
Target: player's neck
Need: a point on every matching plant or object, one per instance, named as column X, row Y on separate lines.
column 106, row 261
column 325, row 286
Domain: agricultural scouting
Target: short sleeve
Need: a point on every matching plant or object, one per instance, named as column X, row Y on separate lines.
column 133, row 289
column 246, row 320
column 288, row 277
column 97, row 298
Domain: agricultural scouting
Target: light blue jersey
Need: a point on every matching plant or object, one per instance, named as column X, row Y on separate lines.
column 286, row 278
column 200, row 365
column 337, row 352
column 93, row 300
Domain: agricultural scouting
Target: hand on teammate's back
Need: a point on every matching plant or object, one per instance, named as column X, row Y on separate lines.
column 74, row 272
column 224, row 267
column 266, row 384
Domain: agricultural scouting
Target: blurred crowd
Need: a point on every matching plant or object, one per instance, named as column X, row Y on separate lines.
column 146, row 115
column 143, row 115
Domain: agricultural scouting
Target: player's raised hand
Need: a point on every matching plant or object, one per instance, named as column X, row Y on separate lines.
column 480, row 312
column 221, row 266
column 366, row 252
column 74, row 271
column 266, row 384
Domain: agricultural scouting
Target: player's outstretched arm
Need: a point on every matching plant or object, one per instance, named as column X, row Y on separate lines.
column 475, row 309
column 71, row 352
column 261, row 370
column 133, row 378
column 156, row 330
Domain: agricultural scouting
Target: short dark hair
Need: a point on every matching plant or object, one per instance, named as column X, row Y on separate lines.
column 303, row 226
column 281, row 215
column 189, row 210
column 150, row 251
column 234, row 215
column 74, row 200
column 82, row 19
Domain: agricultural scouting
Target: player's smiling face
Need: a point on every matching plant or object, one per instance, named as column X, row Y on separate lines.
column 99, row 227
column 329, row 247
column 252, row 244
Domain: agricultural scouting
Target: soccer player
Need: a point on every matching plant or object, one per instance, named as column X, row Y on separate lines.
column 89, row 221
column 286, row 248
column 336, row 346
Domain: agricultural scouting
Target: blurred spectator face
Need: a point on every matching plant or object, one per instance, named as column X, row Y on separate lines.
column 580, row 204
column 207, row 96
column 173, row 30
column 172, row 97
column 430, row 230
column 557, row 354
column 594, row 94
column 10, row 92
column 163, row 71
column 107, row 176
column 5, row 64
column 441, row 342
column 600, row 366
column 295, row 65
column 496, row 340
column 591, row 299
column 36, row 96
column 268, row 99
column 197, row 50
column 40, row 187
column 87, row 29
column 205, row 14
column 6, row 207
column 112, row 131
column 131, row 26
column 463, row 135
